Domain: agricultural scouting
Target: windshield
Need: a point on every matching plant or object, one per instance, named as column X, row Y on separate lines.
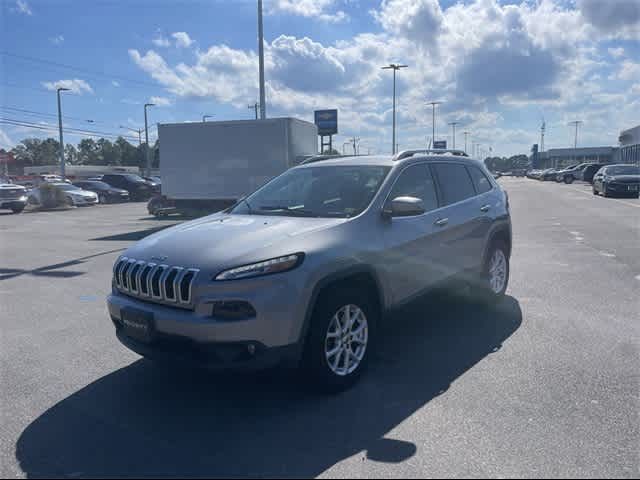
column 97, row 185
column 343, row 191
column 623, row 170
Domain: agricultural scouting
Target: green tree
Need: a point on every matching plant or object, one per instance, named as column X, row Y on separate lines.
column 71, row 154
column 88, row 152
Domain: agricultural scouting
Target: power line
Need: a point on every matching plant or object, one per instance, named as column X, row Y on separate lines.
column 52, row 128
column 50, row 115
column 77, row 69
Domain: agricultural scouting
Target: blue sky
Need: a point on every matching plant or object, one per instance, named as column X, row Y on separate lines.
column 499, row 67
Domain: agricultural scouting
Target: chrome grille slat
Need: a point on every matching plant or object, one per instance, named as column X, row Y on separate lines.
column 152, row 282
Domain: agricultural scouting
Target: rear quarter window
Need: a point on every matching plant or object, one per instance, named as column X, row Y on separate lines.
column 480, row 180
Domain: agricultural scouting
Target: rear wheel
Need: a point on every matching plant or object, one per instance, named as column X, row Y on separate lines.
column 495, row 274
column 341, row 338
column 569, row 179
column 102, row 198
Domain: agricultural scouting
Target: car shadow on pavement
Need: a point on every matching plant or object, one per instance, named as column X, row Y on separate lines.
column 143, row 421
column 131, row 236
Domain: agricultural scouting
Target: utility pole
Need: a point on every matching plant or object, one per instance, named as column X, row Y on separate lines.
column 466, row 134
column 62, row 164
column 395, row 67
column 433, row 131
column 146, row 139
column 138, row 131
column 576, row 123
column 263, row 106
column 354, row 141
column 254, row 107
column 542, row 130
column 453, row 124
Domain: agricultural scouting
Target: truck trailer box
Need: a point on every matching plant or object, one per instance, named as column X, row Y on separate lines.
column 227, row 160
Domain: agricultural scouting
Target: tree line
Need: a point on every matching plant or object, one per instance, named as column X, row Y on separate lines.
column 33, row 152
column 504, row 164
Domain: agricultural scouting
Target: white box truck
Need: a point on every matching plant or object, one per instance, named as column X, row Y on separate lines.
column 208, row 166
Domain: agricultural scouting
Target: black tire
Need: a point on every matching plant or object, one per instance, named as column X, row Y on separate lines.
column 486, row 292
column 102, row 198
column 17, row 209
column 569, row 179
column 315, row 364
column 604, row 190
column 595, row 192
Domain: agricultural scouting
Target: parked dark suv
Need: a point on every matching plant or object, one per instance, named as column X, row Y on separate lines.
column 588, row 172
column 304, row 268
column 139, row 189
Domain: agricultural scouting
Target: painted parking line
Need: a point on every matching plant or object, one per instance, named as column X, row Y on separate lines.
column 590, row 194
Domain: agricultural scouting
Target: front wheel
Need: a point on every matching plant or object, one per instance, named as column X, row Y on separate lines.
column 569, row 179
column 102, row 198
column 341, row 339
column 17, row 209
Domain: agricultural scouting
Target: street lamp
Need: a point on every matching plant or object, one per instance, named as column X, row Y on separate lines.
column 263, row 106
column 146, row 138
column 433, row 131
column 62, row 165
column 138, row 131
column 466, row 134
column 255, row 107
column 453, row 124
column 204, row 117
column 395, row 67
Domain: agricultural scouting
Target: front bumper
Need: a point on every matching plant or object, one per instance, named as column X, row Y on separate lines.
column 623, row 188
column 195, row 336
column 12, row 203
column 80, row 201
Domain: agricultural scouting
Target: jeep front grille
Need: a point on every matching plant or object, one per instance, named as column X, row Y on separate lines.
column 153, row 282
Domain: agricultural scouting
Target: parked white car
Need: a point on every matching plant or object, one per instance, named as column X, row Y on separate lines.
column 75, row 195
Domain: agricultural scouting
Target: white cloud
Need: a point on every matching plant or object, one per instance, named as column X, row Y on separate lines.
column 615, row 18
column 76, row 86
column 23, row 7
column 319, row 9
column 628, row 71
column 182, row 39
column 5, row 140
column 57, row 40
column 616, row 52
column 486, row 60
column 160, row 101
column 115, row 83
column 161, row 41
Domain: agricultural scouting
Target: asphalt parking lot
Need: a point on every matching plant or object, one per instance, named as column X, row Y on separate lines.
column 546, row 384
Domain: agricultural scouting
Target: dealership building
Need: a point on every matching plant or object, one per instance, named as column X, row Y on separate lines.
column 629, row 151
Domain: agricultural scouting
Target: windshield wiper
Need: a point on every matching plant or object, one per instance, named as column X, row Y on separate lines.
column 296, row 211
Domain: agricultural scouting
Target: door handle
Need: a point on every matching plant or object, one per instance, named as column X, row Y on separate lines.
column 485, row 208
column 441, row 222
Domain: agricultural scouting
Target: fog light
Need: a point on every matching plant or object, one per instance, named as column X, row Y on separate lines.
column 232, row 310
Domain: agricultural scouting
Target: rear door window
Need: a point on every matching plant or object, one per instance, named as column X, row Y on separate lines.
column 480, row 180
column 416, row 181
column 454, row 182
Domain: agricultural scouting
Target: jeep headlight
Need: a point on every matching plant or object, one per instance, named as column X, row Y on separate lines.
column 266, row 267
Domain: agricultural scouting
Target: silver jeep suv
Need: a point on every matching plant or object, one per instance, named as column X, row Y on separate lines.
column 302, row 270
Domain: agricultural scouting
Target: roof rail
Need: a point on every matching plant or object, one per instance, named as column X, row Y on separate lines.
column 436, row 151
column 318, row 158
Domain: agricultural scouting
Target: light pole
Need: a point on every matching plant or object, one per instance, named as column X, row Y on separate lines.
column 395, row 67
column 146, row 138
column 137, row 130
column 433, row 131
column 577, row 123
column 62, row 165
column 254, row 107
column 453, row 124
column 466, row 134
column 263, row 109
column 204, row 117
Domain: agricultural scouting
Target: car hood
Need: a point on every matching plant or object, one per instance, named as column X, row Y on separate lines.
column 116, row 190
column 223, row 241
column 11, row 186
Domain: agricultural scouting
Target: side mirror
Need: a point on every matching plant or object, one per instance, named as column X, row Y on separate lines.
column 404, row 207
